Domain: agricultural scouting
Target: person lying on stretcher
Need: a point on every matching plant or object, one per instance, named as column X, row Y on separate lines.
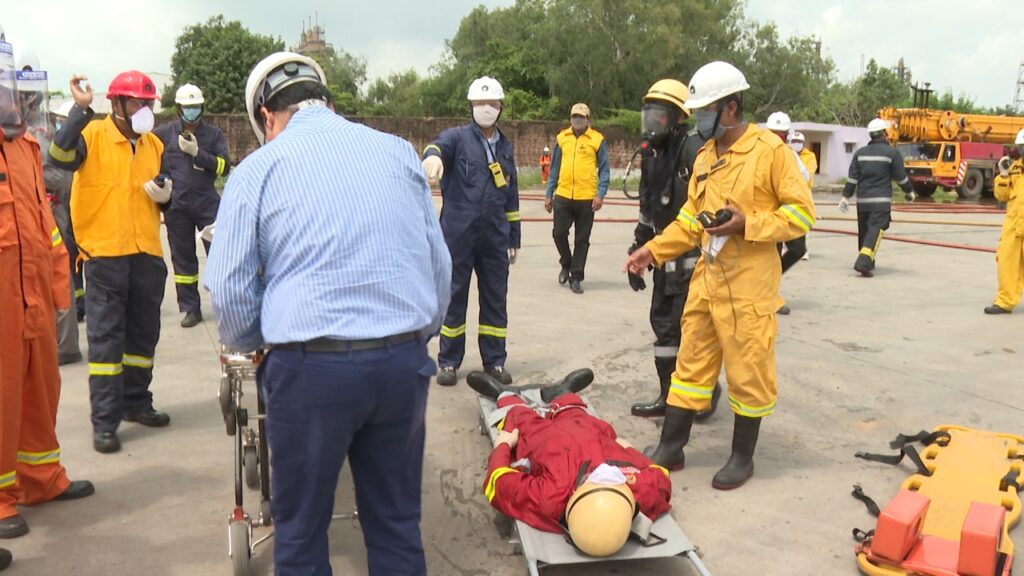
column 559, row 469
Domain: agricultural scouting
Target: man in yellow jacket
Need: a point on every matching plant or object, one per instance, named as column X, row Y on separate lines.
column 746, row 195
column 1009, row 188
column 115, row 205
column 576, row 187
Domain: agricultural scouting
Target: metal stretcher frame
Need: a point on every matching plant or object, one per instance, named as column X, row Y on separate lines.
column 542, row 549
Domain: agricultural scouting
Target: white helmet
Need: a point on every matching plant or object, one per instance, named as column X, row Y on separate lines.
column 714, row 81
column 546, row 149
column 270, row 76
column 1020, row 138
column 796, row 136
column 64, row 109
column 189, row 95
column 24, row 56
column 485, row 88
column 877, row 125
column 779, row 122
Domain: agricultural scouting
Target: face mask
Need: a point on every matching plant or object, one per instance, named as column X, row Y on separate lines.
column 656, row 121
column 191, row 115
column 142, row 120
column 606, row 475
column 707, row 124
column 57, row 125
column 486, row 115
column 796, row 146
column 579, row 124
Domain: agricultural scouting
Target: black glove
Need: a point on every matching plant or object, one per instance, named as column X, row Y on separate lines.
column 642, row 234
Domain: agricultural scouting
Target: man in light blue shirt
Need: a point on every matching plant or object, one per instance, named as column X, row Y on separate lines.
column 344, row 274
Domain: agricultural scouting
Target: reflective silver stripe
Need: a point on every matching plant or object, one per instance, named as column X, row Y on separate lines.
column 666, row 351
column 874, row 200
column 904, row 181
column 851, row 180
column 885, row 159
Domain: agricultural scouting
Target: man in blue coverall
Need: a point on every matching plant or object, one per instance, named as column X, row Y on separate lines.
column 476, row 167
column 195, row 155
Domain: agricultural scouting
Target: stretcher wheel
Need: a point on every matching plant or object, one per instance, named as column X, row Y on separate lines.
column 227, row 407
column 265, row 516
column 238, row 534
column 251, row 461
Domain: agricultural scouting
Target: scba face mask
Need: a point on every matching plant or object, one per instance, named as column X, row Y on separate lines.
column 796, row 146
column 485, row 115
column 657, row 121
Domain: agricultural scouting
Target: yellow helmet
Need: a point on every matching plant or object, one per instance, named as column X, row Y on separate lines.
column 600, row 517
column 668, row 90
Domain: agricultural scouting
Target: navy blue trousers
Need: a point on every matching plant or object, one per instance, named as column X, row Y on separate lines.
column 368, row 406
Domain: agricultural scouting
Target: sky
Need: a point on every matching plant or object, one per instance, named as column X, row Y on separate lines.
column 975, row 52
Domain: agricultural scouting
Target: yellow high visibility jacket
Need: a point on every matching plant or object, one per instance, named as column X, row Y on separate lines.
column 578, row 167
column 810, row 162
column 112, row 214
column 1010, row 189
column 758, row 176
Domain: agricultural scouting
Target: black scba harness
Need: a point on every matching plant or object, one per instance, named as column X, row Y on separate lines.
column 652, row 539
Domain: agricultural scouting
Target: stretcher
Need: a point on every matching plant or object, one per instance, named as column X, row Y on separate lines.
column 542, row 549
column 953, row 517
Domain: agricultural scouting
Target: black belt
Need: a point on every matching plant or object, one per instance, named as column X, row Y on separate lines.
column 332, row 345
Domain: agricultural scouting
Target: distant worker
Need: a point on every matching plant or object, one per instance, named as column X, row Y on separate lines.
column 1009, row 188
column 746, row 195
column 810, row 162
column 575, row 191
column 195, row 155
column 670, row 148
column 55, row 179
column 545, row 165
column 476, row 167
column 558, row 468
column 872, row 171
column 115, row 203
column 33, row 286
column 33, row 88
column 792, row 251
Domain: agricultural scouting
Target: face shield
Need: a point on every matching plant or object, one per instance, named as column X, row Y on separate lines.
column 657, row 121
column 11, row 122
column 35, row 104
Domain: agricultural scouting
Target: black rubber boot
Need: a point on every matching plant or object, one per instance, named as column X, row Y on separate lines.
column 865, row 266
column 13, row 527
column 5, row 559
column 675, row 434
column 485, row 384
column 740, row 466
column 705, row 414
column 993, row 309
column 664, row 366
column 574, row 382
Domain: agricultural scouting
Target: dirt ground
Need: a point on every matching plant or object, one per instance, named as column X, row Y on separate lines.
column 859, row 360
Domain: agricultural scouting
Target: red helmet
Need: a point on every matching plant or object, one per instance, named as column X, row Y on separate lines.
column 133, row 84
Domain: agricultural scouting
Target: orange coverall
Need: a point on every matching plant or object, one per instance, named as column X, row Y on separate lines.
column 34, row 279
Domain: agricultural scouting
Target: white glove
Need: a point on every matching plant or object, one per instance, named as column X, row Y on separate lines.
column 433, row 167
column 910, row 196
column 188, row 145
column 159, row 194
column 207, row 233
column 1004, row 165
column 513, row 253
column 844, row 204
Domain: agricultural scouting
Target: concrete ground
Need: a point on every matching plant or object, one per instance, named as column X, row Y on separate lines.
column 859, row 361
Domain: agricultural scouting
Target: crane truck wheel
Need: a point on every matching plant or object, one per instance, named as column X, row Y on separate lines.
column 925, row 190
column 974, row 182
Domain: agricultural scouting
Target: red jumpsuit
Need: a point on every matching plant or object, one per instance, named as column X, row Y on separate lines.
column 563, row 449
column 33, row 285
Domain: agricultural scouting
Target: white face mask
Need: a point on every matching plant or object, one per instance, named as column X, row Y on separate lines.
column 486, row 115
column 606, row 475
column 142, row 120
column 796, row 146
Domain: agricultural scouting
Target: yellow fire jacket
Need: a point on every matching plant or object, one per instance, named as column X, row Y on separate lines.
column 758, row 176
column 1010, row 189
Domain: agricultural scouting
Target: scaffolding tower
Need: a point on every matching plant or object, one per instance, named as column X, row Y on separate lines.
column 1018, row 97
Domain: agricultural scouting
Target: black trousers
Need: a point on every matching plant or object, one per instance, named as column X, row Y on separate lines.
column 795, row 250
column 182, row 226
column 870, row 225
column 578, row 214
column 123, row 327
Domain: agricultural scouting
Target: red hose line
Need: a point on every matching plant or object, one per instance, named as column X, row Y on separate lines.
column 915, row 241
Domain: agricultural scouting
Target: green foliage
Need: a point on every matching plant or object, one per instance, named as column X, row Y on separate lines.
column 622, row 117
column 856, row 103
column 217, row 56
column 345, row 73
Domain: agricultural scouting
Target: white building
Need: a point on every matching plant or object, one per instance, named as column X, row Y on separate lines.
column 834, row 146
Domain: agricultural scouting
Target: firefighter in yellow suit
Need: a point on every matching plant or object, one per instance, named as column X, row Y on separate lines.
column 730, row 312
column 1009, row 188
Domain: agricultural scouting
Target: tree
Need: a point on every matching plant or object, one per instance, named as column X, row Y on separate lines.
column 217, row 56
column 398, row 95
column 856, row 103
column 345, row 73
